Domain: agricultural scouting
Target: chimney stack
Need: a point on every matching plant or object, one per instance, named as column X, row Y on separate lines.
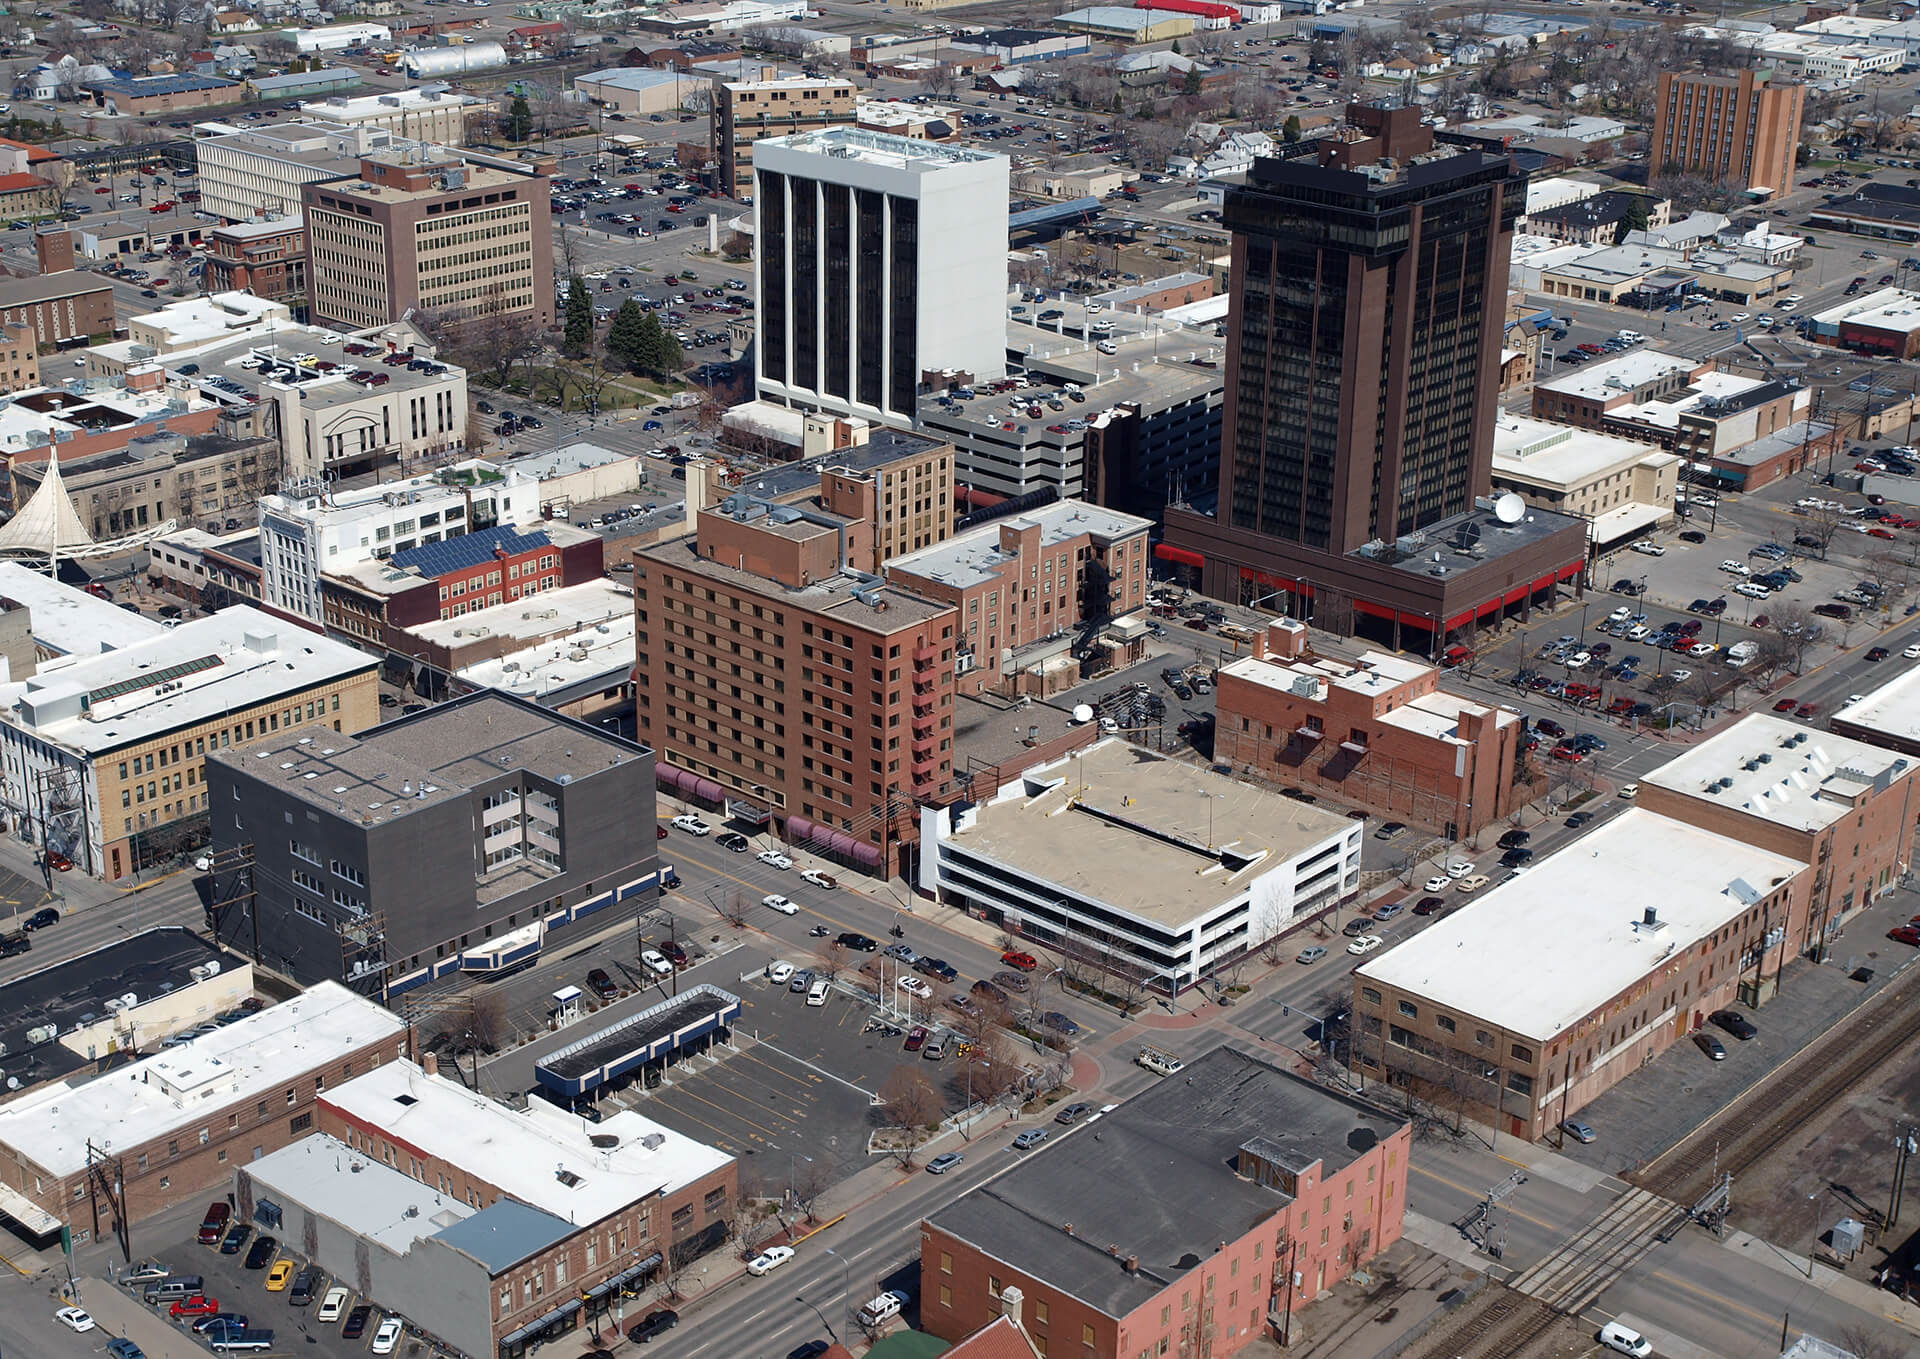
column 430, row 1063
column 1012, row 1304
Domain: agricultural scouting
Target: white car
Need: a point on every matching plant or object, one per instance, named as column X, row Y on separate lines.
column 1578, row 660
column 1628, row 792
column 1650, row 549
column 1739, row 316
column 1680, row 675
column 388, row 1336
column 1637, row 631
column 692, row 824
column 656, row 964
column 769, row 1260
column 913, row 986
column 1912, row 653
column 1620, row 615
column 819, row 879
column 1701, row 649
column 332, row 1305
column 1752, row 591
column 1786, row 306
column 1734, row 568
column 773, row 858
column 1438, row 883
column 1366, row 943
column 780, row 973
column 773, row 901
column 1459, row 870
column 74, row 1319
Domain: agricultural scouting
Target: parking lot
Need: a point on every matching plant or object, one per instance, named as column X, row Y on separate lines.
column 800, row 1082
column 243, row 1291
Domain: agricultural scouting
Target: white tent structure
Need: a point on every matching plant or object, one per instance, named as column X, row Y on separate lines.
column 48, row 528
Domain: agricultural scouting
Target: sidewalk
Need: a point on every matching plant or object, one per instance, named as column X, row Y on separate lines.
column 119, row 1313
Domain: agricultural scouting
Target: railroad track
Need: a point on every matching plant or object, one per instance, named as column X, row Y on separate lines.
column 1500, row 1326
column 1764, row 1118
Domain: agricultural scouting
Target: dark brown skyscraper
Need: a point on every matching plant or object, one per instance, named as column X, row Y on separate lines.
column 1369, row 289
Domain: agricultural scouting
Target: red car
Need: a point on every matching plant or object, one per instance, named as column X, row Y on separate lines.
column 1806, row 710
column 199, row 1305
column 214, row 1225
column 674, row 953
column 1568, row 754
column 659, row 831
column 1879, row 533
column 1786, row 705
column 1905, row 934
column 1026, row 962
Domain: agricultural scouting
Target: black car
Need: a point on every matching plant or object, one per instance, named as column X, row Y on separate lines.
column 305, row 1284
column 260, row 1255
column 1059, row 1023
column 1515, row 857
column 1578, row 819
column 1356, row 927
column 42, row 918
column 936, row 967
column 813, row 1349
column 1430, row 906
column 235, row 1238
column 1735, row 1023
column 1072, row 1114
column 484, row 407
column 603, row 985
column 356, row 1322
column 652, row 1324
column 1692, row 536
column 859, row 943
column 734, row 841
column 1513, row 839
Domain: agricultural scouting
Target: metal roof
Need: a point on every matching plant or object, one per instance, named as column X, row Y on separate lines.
column 1053, row 214
column 504, row 1233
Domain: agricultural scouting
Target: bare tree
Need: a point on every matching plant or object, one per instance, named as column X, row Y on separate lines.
column 912, row 1108
column 1864, row 1342
column 1794, row 627
column 1823, row 523
column 833, row 961
column 811, row 1178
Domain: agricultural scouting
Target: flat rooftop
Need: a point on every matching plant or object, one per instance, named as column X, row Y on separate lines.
column 83, row 407
column 1883, row 308
column 323, row 1174
column 562, row 662
column 1561, row 455
column 883, row 447
column 834, row 596
column 552, row 613
column 69, row 621
column 1155, row 838
column 26, row 289
column 1565, row 938
column 542, row 1155
column 1782, row 772
column 549, row 463
column 68, row 994
column 133, row 1105
column 1616, row 377
column 1891, row 712
column 879, row 148
column 974, row 557
column 318, row 388
column 1470, row 539
column 388, row 103
column 1154, row 1180
column 198, row 672
column 1715, row 395
column 1435, row 715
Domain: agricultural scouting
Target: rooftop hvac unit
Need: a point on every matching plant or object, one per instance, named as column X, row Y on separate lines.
column 43, row 1034
column 202, row 971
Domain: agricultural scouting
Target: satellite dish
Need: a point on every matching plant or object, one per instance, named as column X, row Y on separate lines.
column 1509, row 508
column 1082, row 713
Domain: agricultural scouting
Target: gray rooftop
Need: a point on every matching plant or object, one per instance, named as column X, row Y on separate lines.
column 328, row 1178
column 1155, row 1179
column 503, row 1234
column 834, row 596
column 883, row 446
column 25, row 291
column 974, row 557
column 1482, row 535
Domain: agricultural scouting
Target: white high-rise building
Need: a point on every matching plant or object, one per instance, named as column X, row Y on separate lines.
column 879, row 258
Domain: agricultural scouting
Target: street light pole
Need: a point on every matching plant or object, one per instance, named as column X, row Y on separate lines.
column 843, row 1283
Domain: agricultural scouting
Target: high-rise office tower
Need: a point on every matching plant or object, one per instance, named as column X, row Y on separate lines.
column 880, row 259
column 1369, row 290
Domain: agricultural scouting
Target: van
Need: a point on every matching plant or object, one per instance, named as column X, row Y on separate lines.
column 1619, row 1338
column 935, row 1047
column 882, row 1309
column 1158, row 1062
column 174, row 1287
column 1631, row 336
column 817, row 993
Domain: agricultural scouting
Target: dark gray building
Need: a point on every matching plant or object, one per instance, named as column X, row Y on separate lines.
column 454, row 840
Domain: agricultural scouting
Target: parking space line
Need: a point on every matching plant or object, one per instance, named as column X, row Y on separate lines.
column 756, row 1089
column 728, row 1112
column 799, row 1081
column 818, row 1071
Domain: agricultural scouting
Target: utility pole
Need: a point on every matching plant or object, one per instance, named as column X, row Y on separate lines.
column 233, row 868
column 1906, row 1143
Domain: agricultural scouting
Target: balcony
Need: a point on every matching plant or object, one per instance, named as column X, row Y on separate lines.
column 923, row 770
column 923, row 750
column 923, row 656
column 923, row 706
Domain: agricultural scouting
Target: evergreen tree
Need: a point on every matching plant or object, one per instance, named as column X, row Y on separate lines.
column 1192, row 82
column 1635, row 220
column 1290, row 130
column 623, row 334
column 578, row 314
column 519, row 120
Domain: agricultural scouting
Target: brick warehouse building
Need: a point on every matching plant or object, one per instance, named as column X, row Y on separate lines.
column 60, row 307
column 1195, row 1218
column 775, row 678
column 1381, row 734
column 177, row 1124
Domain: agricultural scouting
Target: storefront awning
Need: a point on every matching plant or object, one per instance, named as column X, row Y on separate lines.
column 37, row 1220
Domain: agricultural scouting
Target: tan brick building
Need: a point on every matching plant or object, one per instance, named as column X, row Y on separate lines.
column 171, row 1128
column 65, row 306
column 19, row 357
column 415, row 231
column 1607, row 953
column 746, row 111
column 1030, row 577
column 1742, row 129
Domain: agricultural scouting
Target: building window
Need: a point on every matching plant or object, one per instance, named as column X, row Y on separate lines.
column 1409, row 1009
column 1522, row 1053
column 1371, row 996
column 1040, row 1312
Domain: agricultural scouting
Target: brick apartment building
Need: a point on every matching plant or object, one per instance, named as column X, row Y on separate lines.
column 1381, row 734
column 416, row 230
column 1179, row 1223
column 267, row 259
column 1655, row 925
column 776, row 677
column 1844, row 808
column 1020, row 580
column 746, row 111
column 172, row 1127
column 59, row 307
column 375, row 601
column 1743, row 130
column 19, row 357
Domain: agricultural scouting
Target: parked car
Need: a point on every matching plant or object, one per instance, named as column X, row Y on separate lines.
column 214, row 1225
column 1734, row 1023
column 944, row 1162
column 819, row 879
column 387, row 1338
column 1710, row 1045
column 601, row 984
column 261, row 1253
column 1072, row 1114
column 657, row 1322
column 1032, row 1137
column 1313, row 953
column 769, row 1260
column 1578, row 1131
